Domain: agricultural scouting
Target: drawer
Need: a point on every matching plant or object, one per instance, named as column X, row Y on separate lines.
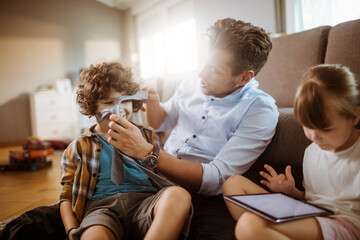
column 52, row 101
column 54, row 116
column 59, row 131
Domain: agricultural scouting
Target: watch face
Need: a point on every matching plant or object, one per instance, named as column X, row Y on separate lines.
column 150, row 161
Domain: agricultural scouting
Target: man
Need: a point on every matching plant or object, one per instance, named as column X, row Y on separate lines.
column 221, row 124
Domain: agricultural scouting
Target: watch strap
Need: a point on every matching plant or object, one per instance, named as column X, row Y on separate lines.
column 156, row 151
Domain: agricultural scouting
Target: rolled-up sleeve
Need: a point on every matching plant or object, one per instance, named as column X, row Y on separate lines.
column 245, row 145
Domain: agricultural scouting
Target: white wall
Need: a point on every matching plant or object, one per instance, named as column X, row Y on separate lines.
column 41, row 41
column 259, row 12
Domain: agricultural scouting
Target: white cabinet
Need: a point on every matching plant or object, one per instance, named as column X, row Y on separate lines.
column 54, row 115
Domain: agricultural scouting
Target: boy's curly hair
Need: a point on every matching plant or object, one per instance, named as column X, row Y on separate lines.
column 95, row 83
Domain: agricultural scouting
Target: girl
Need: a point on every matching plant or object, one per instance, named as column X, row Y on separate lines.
column 327, row 105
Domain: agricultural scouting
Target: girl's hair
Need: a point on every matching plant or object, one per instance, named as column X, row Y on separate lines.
column 96, row 82
column 324, row 89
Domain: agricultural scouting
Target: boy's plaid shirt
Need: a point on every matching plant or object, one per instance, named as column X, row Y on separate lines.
column 80, row 168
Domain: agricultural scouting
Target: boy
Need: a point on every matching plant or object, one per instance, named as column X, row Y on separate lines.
column 92, row 206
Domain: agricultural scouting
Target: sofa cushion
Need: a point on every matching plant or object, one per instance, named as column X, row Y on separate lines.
column 343, row 46
column 286, row 148
column 290, row 57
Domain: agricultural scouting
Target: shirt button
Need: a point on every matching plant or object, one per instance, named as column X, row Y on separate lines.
column 203, row 117
column 194, row 136
column 212, row 99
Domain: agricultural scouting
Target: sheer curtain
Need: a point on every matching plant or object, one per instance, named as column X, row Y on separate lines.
column 306, row 14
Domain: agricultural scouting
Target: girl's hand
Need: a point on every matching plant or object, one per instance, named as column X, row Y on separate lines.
column 278, row 182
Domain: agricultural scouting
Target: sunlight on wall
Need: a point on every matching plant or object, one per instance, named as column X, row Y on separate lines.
column 152, row 55
column 167, row 40
column 181, row 49
column 32, row 60
column 97, row 51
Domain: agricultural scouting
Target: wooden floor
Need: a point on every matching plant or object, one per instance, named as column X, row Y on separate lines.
column 21, row 191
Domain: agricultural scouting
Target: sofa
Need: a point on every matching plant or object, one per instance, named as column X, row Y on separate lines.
column 289, row 59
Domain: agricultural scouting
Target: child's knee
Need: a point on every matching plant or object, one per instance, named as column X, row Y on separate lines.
column 178, row 194
column 231, row 181
column 249, row 225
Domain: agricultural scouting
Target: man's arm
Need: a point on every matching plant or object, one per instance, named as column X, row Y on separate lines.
column 128, row 138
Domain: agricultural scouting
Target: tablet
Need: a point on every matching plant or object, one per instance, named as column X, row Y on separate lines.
column 277, row 207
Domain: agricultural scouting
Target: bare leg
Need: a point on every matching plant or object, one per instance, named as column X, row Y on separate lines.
column 97, row 232
column 170, row 213
column 252, row 226
column 239, row 185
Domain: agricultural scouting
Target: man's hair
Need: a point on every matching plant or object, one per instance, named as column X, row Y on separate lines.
column 95, row 83
column 326, row 89
column 249, row 45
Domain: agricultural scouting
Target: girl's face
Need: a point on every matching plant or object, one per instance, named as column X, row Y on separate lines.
column 125, row 106
column 339, row 136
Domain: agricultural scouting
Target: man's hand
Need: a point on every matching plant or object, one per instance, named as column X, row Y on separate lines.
column 127, row 138
column 278, row 182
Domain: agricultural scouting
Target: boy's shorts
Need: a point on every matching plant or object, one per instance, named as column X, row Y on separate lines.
column 336, row 228
column 127, row 215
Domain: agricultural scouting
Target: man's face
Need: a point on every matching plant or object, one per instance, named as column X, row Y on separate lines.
column 125, row 106
column 216, row 75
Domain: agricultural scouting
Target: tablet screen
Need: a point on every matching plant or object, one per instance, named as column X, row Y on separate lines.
column 277, row 207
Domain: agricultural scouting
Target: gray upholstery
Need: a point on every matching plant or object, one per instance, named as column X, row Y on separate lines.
column 290, row 57
column 344, row 46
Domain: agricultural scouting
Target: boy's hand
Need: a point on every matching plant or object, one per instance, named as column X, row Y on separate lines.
column 278, row 182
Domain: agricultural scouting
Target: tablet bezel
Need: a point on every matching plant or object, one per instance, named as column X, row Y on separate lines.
column 272, row 218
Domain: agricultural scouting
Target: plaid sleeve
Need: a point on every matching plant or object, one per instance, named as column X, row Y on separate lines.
column 69, row 163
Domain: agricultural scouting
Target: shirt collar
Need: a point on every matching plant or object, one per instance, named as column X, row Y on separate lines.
column 240, row 91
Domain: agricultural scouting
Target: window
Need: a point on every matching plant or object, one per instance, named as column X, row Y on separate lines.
column 307, row 14
column 167, row 40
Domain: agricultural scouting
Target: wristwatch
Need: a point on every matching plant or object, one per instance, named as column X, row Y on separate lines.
column 151, row 161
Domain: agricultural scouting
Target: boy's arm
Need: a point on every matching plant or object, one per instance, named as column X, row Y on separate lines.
column 68, row 168
column 68, row 217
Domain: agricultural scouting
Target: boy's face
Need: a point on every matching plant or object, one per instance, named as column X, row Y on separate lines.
column 125, row 106
column 216, row 75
